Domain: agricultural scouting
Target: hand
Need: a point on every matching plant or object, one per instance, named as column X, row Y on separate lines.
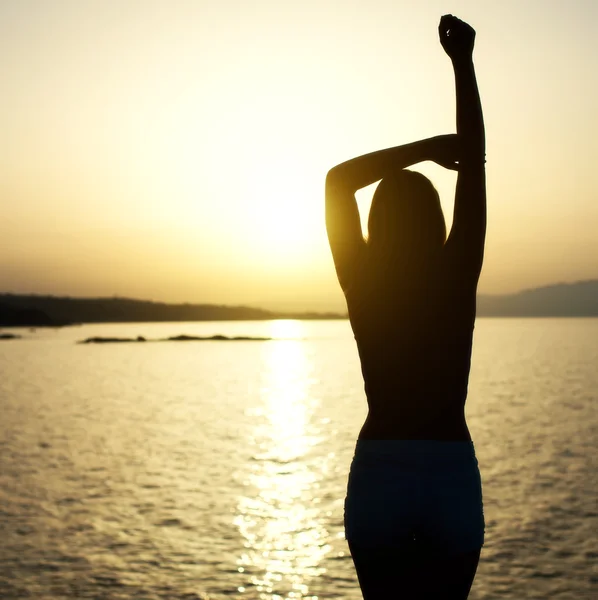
column 457, row 38
column 444, row 150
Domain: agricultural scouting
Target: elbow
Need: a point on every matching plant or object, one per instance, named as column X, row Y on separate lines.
column 336, row 180
column 332, row 177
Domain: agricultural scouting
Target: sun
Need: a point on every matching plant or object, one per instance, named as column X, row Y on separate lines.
column 282, row 226
column 285, row 210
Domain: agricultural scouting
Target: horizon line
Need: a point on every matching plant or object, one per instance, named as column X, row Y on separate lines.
column 188, row 303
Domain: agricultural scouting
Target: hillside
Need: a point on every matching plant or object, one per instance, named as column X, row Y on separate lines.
column 578, row 299
column 33, row 310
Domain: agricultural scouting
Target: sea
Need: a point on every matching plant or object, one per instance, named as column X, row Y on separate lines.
column 217, row 469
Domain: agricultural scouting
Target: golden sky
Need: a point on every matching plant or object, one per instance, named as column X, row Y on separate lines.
column 176, row 150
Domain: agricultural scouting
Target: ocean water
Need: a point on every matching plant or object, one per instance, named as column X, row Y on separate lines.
column 195, row 470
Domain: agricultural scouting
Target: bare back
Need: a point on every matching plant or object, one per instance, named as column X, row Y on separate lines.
column 415, row 348
column 413, row 324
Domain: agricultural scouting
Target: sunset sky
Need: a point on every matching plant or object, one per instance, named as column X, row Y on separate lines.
column 176, row 150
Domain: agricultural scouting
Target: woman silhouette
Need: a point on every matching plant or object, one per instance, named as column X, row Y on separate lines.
column 413, row 512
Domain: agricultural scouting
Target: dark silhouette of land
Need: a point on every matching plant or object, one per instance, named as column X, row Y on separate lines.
column 176, row 338
column 22, row 314
column 578, row 299
column 38, row 311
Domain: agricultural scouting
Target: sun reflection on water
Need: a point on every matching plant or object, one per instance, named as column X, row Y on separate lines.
column 279, row 517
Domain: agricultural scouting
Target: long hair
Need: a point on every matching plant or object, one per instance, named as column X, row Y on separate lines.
column 406, row 224
column 406, row 215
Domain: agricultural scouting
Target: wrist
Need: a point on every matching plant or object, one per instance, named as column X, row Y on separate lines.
column 462, row 62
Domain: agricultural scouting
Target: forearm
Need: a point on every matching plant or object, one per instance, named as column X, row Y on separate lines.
column 364, row 170
column 470, row 121
column 470, row 194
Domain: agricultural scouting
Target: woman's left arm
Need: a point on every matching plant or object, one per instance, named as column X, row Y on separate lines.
column 468, row 232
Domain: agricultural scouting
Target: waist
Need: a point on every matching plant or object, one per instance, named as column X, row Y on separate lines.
column 420, row 455
column 385, row 425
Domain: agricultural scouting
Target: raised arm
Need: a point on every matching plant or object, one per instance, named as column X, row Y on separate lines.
column 469, row 220
column 342, row 215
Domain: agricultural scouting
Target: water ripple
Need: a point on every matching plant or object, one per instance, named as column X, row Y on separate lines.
column 211, row 471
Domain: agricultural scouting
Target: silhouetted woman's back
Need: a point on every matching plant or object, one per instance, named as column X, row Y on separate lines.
column 412, row 309
column 413, row 513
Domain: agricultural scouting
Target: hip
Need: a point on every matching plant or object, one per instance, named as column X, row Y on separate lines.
column 405, row 492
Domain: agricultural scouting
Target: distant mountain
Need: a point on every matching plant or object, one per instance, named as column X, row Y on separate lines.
column 53, row 310
column 25, row 316
column 578, row 299
column 560, row 300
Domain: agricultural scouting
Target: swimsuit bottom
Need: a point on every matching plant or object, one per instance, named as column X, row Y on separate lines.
column 415, row 495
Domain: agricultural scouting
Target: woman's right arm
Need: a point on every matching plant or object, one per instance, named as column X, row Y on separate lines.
column 468, row 232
